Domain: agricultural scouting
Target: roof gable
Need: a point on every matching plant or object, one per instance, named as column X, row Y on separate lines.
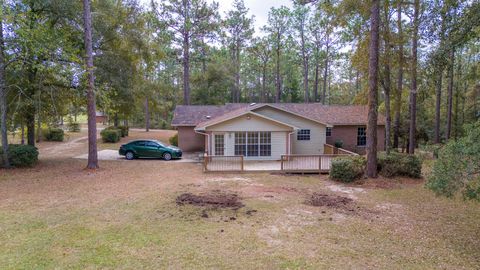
column 237, row 114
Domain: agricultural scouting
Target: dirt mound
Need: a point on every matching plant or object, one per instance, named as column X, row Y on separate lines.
column 211, row 200
column 326, row 200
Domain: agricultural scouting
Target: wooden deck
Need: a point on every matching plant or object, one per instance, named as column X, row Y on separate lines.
column 287, row 164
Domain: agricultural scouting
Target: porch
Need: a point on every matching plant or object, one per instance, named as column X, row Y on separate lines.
column 287, row 163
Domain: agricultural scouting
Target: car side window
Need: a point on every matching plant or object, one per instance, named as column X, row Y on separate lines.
column 141, row 143
column 152, row 144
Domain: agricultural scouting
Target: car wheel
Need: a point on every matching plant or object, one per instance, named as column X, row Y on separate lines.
column 167, row 156
column 129, row 155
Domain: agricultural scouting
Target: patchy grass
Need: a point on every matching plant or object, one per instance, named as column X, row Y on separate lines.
column 125, row 215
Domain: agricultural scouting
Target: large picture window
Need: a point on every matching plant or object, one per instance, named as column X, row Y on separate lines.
column 303, row 135
column 253, row 144
column 362, row 136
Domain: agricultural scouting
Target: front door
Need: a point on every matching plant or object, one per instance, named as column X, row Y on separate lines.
column 219, row 144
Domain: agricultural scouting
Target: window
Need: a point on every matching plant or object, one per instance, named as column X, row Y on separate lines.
column 140, row 143
column 151, row 144
column 329, row 131
column 219, row 145
column 265, row 144
column 240, row 143
column 362, row 136
column 253, row 144
column 303, row 135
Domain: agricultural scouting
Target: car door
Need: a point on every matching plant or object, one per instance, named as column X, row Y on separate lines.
column 140, row 149
column 153, row 149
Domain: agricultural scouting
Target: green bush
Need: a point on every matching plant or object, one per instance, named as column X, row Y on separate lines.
column 124, row 130
column 347, row 169
column 174, row 140
column 339, row 143
column 53, row 134
column 73, row 127
column 110, row 135
column 398, row 164
column 458, row 165
column 21, row 155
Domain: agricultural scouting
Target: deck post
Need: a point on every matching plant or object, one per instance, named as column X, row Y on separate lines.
column 205, row 162
column 319, row 163
column 241, row 158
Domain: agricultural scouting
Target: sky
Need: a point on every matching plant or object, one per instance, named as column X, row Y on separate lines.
column 258, row 8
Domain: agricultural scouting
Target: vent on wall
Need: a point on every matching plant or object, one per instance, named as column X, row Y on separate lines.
column 208, row 116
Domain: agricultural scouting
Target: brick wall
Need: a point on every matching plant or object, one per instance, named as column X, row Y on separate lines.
column 348, row 134
column 189, row 141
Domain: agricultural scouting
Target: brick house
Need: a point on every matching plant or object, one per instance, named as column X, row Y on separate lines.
column 267, row 131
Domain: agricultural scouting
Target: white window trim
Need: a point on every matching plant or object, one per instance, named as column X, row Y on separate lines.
column 258, row 142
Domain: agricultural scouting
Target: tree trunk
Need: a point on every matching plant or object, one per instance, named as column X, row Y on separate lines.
column 398, row 93
column 3, row 97
column 373, row 90
column 305, row 68
column 264, row 77
column 92, row 126
column 325, row 74
column 22, row 127
column 315, row 84
column 278, row 96
column 438, row 104
column 450, row 94
column 237, row 73
column 413, row 86
column 186, row 69
column 147, row 116
column 438, row 86
column 387, row 83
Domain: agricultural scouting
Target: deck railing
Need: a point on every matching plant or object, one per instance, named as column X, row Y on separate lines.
column 307, row 163
column 223, row 163
column 329, row 149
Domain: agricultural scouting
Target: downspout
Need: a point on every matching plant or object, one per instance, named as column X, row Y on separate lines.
column 207, row 148
column 289, row 142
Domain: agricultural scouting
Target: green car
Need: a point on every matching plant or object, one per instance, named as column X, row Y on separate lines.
column 149, row 149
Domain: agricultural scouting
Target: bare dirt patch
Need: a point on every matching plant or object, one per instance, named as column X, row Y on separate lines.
column 215, row 199
column 331, row 201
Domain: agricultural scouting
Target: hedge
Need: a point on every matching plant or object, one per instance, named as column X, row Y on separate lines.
column 124, row 130
column 110, row 135
column 73, row 127
column 347, row 169
column 174, row 140
column 398, row 164
column 21, row 155
column 53, row 134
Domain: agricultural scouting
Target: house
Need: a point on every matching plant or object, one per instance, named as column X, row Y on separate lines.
column 267, row 131
column 100, row 118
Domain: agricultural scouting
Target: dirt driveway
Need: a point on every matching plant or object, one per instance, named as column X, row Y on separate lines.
column 149, row 214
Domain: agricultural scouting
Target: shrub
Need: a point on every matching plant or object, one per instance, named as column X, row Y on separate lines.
column 73, row 127
column 339, row 144
column 458, row 165
column 21, row 155
column 123, row 130
column 53, row 134
column 347, row 169
column 397, row 164
column 110, row 135
column 174, row 140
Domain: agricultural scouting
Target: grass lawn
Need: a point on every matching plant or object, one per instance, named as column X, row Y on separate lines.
column 125, row 215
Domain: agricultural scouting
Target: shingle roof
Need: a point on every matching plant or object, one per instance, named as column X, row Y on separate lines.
column 194, row 115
